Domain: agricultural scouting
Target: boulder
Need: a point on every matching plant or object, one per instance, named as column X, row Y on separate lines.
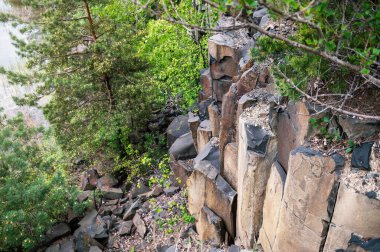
column 89, row 180
column 308, row 201
column 272, row 205
column 204, row 134
column 137, row 190
column 82, row 196
column 206, row 82
column 353, row 213
column 230, row 169
column 361, row 156
column 177, row 128
column 125, row 228
column 255, row 157
column 210, row 227
column 84, row 241
column 140, row 225
column 194, row 122
column 107, row 180
column 213, row 112
column 131, row 210
column 111, row 193
column 356, row 127
column 67, row 246
column 182, row 170
column 183, row 148
column 57, row 231
column 221, row 87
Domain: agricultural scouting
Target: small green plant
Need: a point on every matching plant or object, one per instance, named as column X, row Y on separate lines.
column 322, row 125
column 351, row 146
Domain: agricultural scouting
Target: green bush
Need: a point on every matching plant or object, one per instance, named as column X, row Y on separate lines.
column 34, row 189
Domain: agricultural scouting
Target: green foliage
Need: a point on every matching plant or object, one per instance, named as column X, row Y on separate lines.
column 351, row 146
column 34, row 190
column 322, row 125
column 175, row 60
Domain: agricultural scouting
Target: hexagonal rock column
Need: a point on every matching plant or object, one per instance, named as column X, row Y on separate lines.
column 230, row 169
column 207, row 188
column 272, row 205
column 308, row 202
column 183, row 148
column 247, row 81
column 221, row 87
column 194, row 122
column 206, row 82
column 210, row 227
column 213, row 112
column 294, row 128
column 204, row 134
column 256, row 153
column 353, row 213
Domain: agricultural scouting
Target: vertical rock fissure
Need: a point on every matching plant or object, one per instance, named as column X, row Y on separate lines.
column 330, row 210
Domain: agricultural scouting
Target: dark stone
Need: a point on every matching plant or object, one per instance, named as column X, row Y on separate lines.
column 178, row 127
column 162, row 248
column 306, row 151
column 125, row 228
column 203, row 108
column 371, row 194
column 107, row 180
column 131, row 211
column 339, row 160
column 360, row 156
column 138, row 189
column 53, row 248
column 355, row 127
column 57, row 231
column 171, row 191
column 111, row 193
column 183, row 148
column 68, row 246
column 84, row 241
column 221, row 87
column 234, row 248
column 258, row 139
column 368, row 245
column 208, row 161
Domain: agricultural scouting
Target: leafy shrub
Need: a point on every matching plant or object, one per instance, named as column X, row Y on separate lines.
column 34, row 189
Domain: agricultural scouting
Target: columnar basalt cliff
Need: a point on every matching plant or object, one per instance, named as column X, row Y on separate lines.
column 253, row 172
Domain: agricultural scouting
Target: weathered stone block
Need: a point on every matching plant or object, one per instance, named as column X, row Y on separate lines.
column 204, row 134
column 355, row 127
column 213, row 112
column 206, row 82
column 308, row 202
column 230, row 169
column 182, row 170
column 353, row 213
column 227, row 66
column 111, row 193
column 221, row 87
column 178, row 127
column 272, row 205
column 194, row 122
column 247, row 81
column 183, row 148
column 210, row 227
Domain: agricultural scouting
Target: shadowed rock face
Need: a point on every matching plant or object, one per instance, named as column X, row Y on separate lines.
column 210, row 226
column 230, row 170
column 183, row 148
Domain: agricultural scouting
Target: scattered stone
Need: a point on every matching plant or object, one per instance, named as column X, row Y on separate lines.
column 84, row 241
column 356, row 127
column 57, row 231
column 360, row 156
column 130, row 213
column 107, row 180
column 111, row 193
column 371, row 194
column 138, row 189
column 125, row 228
column 171, row 190
column 82, row 196
column 111, row 202
column 53, row 248
column 140, row 225
column 89, row 180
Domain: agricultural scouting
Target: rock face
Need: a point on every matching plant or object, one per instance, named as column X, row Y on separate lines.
column 210, row 226
column 254, row 161
column 272, row 205
column 230, row 170
column 213, row 112
column 204, row 134
column 355, row 128
column 308, row 201
column 353, row 213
